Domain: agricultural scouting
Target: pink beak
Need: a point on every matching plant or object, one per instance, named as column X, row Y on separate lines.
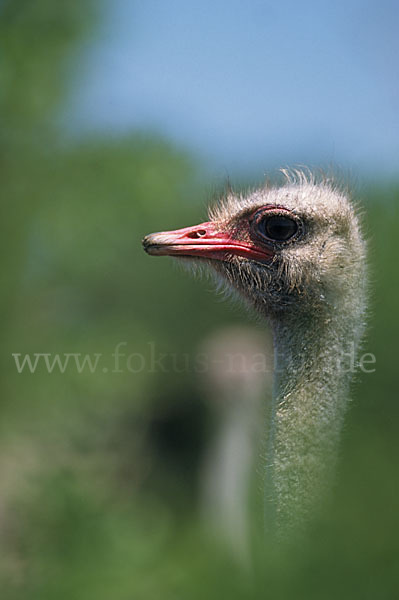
column 204, row 240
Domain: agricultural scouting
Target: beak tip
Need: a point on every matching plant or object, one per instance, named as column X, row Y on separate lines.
column 150, row 246
column 146, row 242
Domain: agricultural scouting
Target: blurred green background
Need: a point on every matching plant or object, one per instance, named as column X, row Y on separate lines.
column 99, row 471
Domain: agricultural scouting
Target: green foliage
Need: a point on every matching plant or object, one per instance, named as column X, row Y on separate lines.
column 36, row 39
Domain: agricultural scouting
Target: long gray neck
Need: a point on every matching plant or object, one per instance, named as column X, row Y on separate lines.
column 313, row 364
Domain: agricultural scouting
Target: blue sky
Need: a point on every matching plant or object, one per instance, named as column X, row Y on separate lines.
column 249, row 85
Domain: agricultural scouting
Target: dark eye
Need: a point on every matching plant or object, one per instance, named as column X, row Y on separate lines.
column 278, row 228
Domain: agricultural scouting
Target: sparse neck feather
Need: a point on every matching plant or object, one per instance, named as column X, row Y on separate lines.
column 313, row 364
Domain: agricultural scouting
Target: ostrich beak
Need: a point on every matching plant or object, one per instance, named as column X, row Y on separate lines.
column 206, row 240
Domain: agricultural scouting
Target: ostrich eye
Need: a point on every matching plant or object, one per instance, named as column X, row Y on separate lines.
column 278, row 228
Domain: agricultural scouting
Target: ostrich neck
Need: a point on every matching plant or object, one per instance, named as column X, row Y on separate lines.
column 313, row 361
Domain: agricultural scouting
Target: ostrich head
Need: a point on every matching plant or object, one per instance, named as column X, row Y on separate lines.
column 291, row 250
column 295, row 253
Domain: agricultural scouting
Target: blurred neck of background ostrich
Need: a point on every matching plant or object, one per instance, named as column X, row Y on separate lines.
column 314, row 360
column 235, row 390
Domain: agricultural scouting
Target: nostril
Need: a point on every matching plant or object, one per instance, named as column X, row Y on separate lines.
column 197, row 234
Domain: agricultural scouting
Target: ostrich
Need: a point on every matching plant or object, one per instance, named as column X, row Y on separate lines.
column 237, row 378
column 296, row 255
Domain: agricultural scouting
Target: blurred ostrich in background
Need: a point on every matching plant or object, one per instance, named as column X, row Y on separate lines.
column 296, row 255
column 237, row 379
